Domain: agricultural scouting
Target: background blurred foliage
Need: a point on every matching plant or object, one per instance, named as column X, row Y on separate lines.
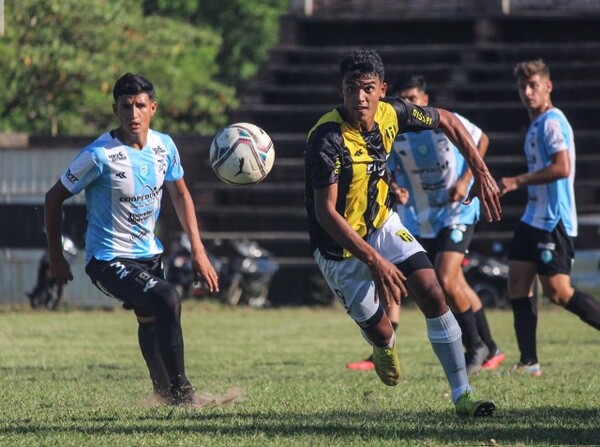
column 60, row 59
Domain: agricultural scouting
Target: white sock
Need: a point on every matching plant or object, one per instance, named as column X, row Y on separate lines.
column 445, row 337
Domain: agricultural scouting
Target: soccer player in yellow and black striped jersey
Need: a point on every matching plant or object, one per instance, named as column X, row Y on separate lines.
column 364, row 252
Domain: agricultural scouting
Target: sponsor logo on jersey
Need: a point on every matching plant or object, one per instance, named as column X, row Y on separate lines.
column 159, row 150
column 71, row 177
column 119, row 156
column 420, row 116
column 121, row 175
column 144, row 170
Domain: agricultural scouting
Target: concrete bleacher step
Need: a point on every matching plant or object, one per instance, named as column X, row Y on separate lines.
column 440, row 95
column 439, row 72
column 444, row 52
column 497, row 117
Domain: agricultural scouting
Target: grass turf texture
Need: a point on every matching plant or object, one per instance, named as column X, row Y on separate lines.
column 77, row 378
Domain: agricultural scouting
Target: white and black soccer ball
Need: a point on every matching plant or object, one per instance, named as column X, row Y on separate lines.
column 242, row 154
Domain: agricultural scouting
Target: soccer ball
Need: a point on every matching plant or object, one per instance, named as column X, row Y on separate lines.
column 242, row 154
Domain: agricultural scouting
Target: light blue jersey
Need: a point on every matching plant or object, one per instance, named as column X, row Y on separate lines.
column 123, row 191
column 550, row 203
column 428, row 165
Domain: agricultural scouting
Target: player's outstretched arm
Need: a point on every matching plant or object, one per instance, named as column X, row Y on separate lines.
column 184, row 207
column 60, row 269
column 484, row 186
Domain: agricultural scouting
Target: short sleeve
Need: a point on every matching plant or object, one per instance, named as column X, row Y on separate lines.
column 413, row 118
column 82, row 171
column 175, row 169
column 323, row 159
column 554, row 137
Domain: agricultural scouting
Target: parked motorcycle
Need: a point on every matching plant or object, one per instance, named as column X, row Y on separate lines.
column 179, row 267
column 488, row 277
column 47, row 292
column 245, row 271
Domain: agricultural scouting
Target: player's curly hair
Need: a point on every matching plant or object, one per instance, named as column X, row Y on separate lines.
column 359, row 63
column 530, row 68
column 132, row 84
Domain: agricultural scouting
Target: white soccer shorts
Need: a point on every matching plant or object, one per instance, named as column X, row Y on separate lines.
column 350, row 279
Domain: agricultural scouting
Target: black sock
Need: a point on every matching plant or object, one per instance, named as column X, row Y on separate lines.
column 525, row 321
column 468, row 326
column 153, row 357
column 484, row 331
column 585, row 307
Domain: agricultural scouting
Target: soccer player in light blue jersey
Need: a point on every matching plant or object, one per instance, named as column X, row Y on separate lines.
column 542, row 245
column 123, row 174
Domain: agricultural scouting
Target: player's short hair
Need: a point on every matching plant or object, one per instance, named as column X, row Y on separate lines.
column 412, row 81
column 132, row 84
column 529, row 68
column 359, row 63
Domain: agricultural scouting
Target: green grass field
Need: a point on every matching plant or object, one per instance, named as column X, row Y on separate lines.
column 77, row 378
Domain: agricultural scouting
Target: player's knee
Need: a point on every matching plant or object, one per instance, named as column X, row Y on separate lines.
column 557, row 295
column 165, row 299
column 432, row 300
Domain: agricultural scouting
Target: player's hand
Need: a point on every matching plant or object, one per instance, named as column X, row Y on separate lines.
column 401, row 194
column 389, row 281
column 204, row 269
column 458, row 191
column 486, row 189
column 60, row 269
column 507, row 184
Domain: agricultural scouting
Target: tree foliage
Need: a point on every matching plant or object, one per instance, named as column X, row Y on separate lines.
column 248, row 28
column 60, row 59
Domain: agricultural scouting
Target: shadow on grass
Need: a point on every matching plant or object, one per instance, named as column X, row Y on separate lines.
column 545, row 425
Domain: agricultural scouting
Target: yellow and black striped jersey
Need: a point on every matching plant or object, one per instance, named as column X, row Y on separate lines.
column 356, row 161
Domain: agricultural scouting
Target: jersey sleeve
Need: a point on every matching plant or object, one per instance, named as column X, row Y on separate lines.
column 82, row 171
column 323, row 158
column 475, row 131
column 175, row 169
column 413, row 118
column 555, row 137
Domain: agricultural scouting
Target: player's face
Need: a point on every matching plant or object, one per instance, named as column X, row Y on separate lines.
column 535, row 92
column 134, row 113
column 361, row 98
column 416, row 96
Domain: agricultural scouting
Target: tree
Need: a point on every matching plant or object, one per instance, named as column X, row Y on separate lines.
column 61, row 58
column 248, row 27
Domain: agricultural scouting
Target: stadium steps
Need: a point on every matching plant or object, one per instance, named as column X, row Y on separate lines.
column 465, row 72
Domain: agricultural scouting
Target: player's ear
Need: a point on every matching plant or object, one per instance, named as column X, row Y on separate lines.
column 340, row 90
column 549, row 86
column 114, row 107
column 153, row 106
column 384, row 87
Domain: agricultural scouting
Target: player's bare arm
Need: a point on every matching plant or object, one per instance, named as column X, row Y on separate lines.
column 460, row 189
column 484, row 187
column 184, row 207
column 559, row 168
column 60, row 269
column 389, row 280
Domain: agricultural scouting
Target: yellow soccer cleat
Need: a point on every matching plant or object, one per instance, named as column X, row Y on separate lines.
column 387, row 364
